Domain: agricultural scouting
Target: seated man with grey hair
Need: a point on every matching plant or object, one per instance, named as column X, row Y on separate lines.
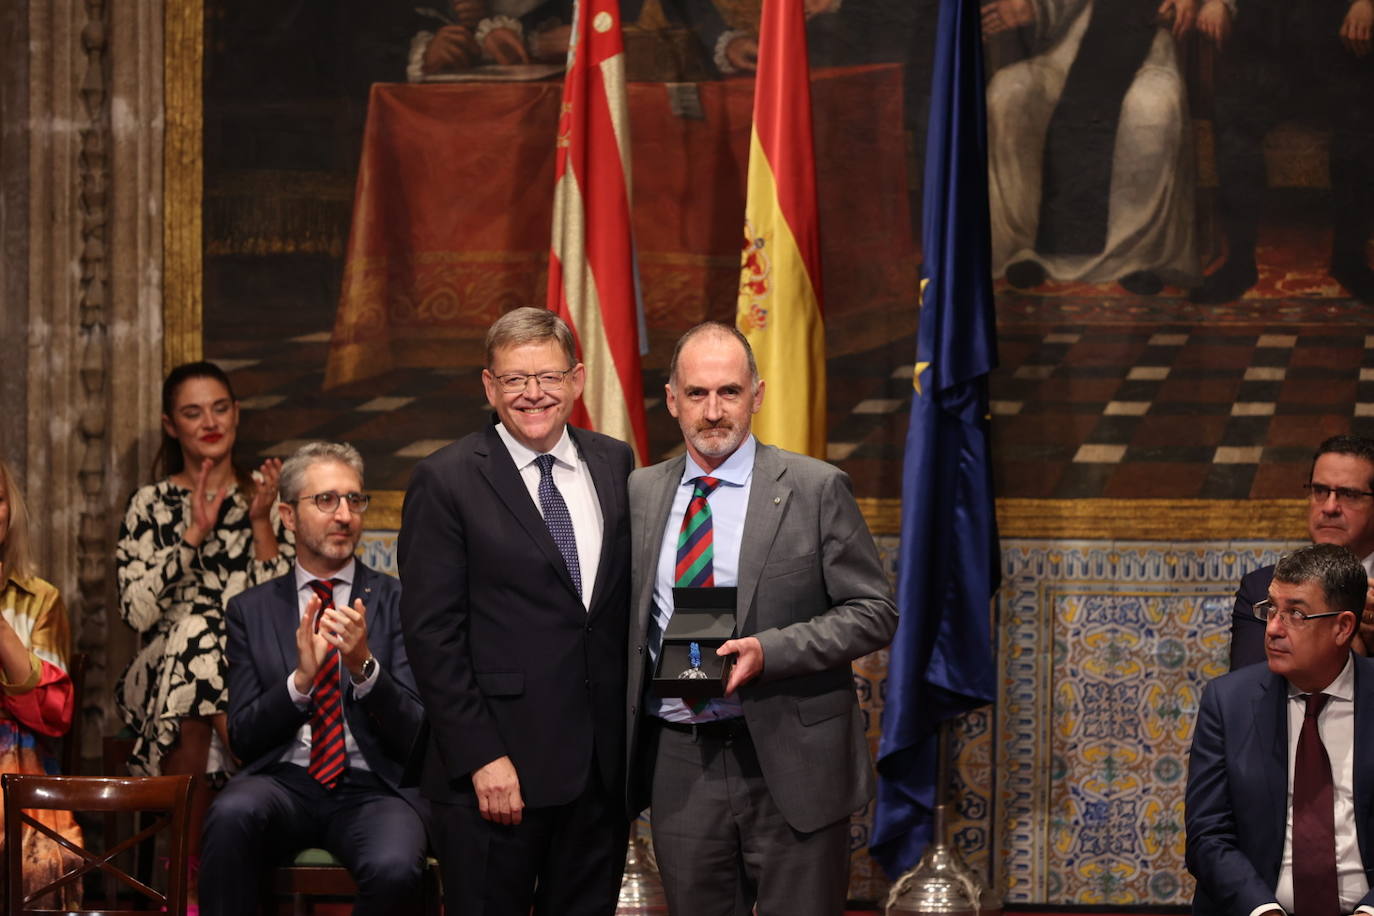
column 322, row 709
column 1281, row 772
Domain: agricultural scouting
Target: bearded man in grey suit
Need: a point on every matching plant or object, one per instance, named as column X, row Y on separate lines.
column 751, row 793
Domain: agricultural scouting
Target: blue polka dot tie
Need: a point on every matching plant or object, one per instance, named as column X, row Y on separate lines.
column 557, row 518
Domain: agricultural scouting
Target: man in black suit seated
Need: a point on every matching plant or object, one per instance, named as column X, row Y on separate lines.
column 1340, row 510
column 322, row 709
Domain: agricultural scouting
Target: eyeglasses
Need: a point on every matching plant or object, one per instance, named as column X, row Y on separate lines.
column 1265, row 610
column 329, row 501
column 547, row 381
column 1347, row 497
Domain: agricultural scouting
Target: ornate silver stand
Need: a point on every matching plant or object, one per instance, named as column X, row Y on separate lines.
column 941, row 883
column 641, row 890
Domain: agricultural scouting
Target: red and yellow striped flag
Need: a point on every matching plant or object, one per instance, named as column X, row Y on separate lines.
column 780, row 273
column 593, row 285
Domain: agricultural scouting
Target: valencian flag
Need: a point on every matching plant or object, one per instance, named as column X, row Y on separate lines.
column 593, row 283
column 942, row 660
column 780, row 273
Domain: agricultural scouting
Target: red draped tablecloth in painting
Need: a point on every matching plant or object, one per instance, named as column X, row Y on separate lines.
column 455, row 193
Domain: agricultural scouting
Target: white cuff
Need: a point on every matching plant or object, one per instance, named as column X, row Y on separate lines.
column 721, row 61
column 415, row 61
column 302, row 700
column 491, row 24
column 361, row 690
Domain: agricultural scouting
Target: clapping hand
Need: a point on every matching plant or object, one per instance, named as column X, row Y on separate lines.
column 311, row 646
column 205, row 505
column 265, row 491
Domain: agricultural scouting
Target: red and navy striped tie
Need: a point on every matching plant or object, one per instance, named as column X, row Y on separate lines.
column 695, row 547
column 328, row 758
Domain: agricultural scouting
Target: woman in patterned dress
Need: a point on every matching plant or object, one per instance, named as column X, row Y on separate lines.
column 188, row 544
column 36, row 697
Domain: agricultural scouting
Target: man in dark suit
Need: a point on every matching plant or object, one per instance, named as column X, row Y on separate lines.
column 514, row 552
column 1281, row 772
column 1340, row 510
column 322, row 709
column 752, row 792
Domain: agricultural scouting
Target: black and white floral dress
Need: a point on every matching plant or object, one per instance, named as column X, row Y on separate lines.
column 175, row 595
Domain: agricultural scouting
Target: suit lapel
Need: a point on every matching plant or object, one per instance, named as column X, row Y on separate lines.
column 362, row 588
column 1270, row 715
column 649, row 531
column 286, row 622
column 608, row 495
column 499, row 470
column 768, row 496
column 1364, row 748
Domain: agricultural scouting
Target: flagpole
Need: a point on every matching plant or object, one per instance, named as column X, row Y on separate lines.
column 941, row 882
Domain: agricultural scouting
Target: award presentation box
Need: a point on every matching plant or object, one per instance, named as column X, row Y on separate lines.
column 704, row 617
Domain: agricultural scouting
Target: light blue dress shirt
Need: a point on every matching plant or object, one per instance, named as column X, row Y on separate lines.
column 729, row 503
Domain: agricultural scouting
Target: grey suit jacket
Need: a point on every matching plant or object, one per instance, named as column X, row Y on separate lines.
column 812, row 591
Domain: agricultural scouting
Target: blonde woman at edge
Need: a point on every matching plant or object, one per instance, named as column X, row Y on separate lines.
column 36, row 696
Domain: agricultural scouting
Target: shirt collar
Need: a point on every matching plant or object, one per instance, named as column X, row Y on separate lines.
column 20, row 583
column 1342, row 688
column 735, row 471
column 345, row 575
column 564, row 450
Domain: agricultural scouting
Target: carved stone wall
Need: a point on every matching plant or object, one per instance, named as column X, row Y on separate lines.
column 14, row 228
column 81, row 166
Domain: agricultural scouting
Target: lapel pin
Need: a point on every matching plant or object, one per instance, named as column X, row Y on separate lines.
column 776, row 500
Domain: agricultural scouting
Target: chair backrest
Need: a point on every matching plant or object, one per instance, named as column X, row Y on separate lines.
column 71, row 743
column 167, row 794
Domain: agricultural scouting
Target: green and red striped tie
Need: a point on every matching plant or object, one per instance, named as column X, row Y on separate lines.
column 695, row 546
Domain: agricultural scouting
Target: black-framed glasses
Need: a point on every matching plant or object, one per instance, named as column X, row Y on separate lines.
column 328, row 501
column 547, row 381
column 1266, row 610
column 1346, row 496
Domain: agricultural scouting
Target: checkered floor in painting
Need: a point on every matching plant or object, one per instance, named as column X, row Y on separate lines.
column 1099, row 394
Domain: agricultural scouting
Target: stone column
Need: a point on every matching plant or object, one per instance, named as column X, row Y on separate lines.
column 92, row 322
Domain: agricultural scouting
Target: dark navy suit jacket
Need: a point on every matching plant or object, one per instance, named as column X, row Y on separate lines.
column 508, row 660
column 1247, row 630
column 1236, row 803
column 263, row 720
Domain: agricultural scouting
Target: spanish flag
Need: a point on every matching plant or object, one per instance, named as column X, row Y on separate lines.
column 780, row 272
column 593, row 283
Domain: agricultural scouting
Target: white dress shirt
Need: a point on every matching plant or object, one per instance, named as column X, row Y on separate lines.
column 1336, row 725
column 299, row 752
column 729, row 503
column 574, row 481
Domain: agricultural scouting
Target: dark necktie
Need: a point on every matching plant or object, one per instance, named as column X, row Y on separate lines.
column 328, row 757
column 1314, row 821
column 695, row 543
column 557, row 518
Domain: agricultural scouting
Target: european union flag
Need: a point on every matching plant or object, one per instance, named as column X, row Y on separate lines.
column 942, row 660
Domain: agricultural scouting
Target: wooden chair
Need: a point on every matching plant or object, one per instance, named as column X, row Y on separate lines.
column 316, row 873
column 110, row 795
column 114, row 761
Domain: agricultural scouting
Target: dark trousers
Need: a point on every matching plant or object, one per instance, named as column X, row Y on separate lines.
column 722, row 844
column 264, row 819
column 564, row 860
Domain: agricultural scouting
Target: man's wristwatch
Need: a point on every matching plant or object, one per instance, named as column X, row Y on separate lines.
column 369, row 669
